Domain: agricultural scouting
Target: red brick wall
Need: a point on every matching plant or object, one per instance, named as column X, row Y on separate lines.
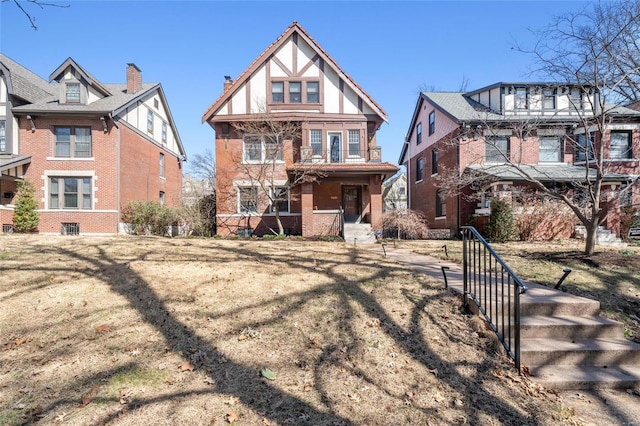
column 140, row 171
column 40, row 145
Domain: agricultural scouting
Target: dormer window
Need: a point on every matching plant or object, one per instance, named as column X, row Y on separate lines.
column 73, row 93
column 277, row 92
column 313, row 92
column 548, row 99
column 521, row 98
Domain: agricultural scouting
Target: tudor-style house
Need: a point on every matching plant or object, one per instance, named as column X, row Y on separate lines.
column 88, row 148
column 325, row 173
column 494, row 141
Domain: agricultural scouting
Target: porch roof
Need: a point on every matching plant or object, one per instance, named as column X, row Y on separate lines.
column 543, row 173
column 386, row 169
column 13, row 161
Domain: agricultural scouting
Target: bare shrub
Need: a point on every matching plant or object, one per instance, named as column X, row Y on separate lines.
column 543, row 219
column 404, row 224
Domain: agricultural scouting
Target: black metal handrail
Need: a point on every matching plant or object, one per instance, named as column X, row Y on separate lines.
column 494, row 288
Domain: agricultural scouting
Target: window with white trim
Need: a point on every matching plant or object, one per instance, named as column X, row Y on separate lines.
column 548, row 99
column 161, row 197
column 70, row 193
column 72, row 142
column 550, row 149
column 72, row 92
column 279, row 199
column 521, row 99
column 419, row 133
column 161, row 165
column 620, row 144
column 262, row 148
column 3, row 138
column 315, row 140
column 432, row 122
column 353, row 137
column 497, row 149
column 164, row 133
column 247, row 199
column 149, row 121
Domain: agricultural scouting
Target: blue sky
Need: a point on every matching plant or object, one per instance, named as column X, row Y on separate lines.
column 392, row 49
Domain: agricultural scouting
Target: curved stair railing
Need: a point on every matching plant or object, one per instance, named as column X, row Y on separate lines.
column 494, row 288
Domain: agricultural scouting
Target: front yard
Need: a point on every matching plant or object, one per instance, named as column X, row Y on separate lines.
column 140, row 330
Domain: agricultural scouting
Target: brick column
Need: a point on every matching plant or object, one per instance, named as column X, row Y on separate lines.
column 307, row 209
column 375, row 192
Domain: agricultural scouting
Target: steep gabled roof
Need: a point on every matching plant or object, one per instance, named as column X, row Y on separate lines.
column 22, row 83
column 69, row 62
column 273, row 47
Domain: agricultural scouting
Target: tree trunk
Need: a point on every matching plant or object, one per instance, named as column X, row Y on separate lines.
column 278, row 221
column 592, row 236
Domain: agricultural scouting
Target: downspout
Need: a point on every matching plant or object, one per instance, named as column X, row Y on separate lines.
column 117, row 174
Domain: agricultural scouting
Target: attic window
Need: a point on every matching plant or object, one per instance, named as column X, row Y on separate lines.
column 73, row 92
column 155, row 103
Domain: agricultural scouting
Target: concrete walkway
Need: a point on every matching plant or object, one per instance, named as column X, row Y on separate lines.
column 595, row 407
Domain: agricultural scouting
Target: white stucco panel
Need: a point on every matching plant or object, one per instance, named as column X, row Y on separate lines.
column 239, row 100
column 313, row 70
column 224, row 109
column 3, row 91
column 331, row 91
column 350, row 104
column 305, row 53
column 285, row 54
column 276, row 70
column 258, row 85
column 93, row 95
column 367, row 109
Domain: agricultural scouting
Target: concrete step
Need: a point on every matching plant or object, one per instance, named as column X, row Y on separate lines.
column 599, row 351
column 361, row 233
column 565, row 377
column 569, row 327
column 540, row 300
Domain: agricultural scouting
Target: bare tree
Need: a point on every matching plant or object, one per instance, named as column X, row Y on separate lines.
column 38, row 3
column 268, row 141
column 199, row 195
column 598, row 49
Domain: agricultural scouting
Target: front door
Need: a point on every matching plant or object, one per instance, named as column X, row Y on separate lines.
column 351, row 203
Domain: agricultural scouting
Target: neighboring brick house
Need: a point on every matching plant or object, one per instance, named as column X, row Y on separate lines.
column 295, row 81
column 89, row 148
column 537, row 126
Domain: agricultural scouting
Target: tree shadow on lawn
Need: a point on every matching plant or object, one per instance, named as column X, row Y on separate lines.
column 241, row 381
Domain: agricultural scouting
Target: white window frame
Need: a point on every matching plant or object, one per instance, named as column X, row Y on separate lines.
column 60, row 194
column 264, row 141
column 273, row 196
column 254, row 190
column 353, row 140
column 73, row 142
column 559, row 150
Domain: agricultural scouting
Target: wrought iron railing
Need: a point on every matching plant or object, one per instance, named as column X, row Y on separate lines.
column 311, row 154
column 494, row 288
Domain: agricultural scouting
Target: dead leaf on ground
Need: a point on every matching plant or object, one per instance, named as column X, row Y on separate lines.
column 187, row 366
column 104, row 328
column 88, row 396
column 231, row 417
column 19, row 341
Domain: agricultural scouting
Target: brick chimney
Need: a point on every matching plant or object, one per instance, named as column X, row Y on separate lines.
column 134, row 78
column 227, row 82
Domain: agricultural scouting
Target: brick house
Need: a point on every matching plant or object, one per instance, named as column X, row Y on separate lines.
column 89, row 148
column 495, row 141
column 295, row 81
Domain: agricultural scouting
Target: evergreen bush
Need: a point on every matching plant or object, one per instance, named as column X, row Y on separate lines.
column 25, row 215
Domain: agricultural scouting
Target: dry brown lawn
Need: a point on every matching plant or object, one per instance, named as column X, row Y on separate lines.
column 142, row 330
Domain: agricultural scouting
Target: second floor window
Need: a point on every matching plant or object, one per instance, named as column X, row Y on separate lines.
column 261, row 148
column 620, row 147
column 521, row 98
column 550, row 150
column 432, row 122
column 315, row 140
column 419, row 134
column 277, row 92
column 497, row 149
column 73, row 142
column 419, row 169
column 354, row 142
column 584, row 147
